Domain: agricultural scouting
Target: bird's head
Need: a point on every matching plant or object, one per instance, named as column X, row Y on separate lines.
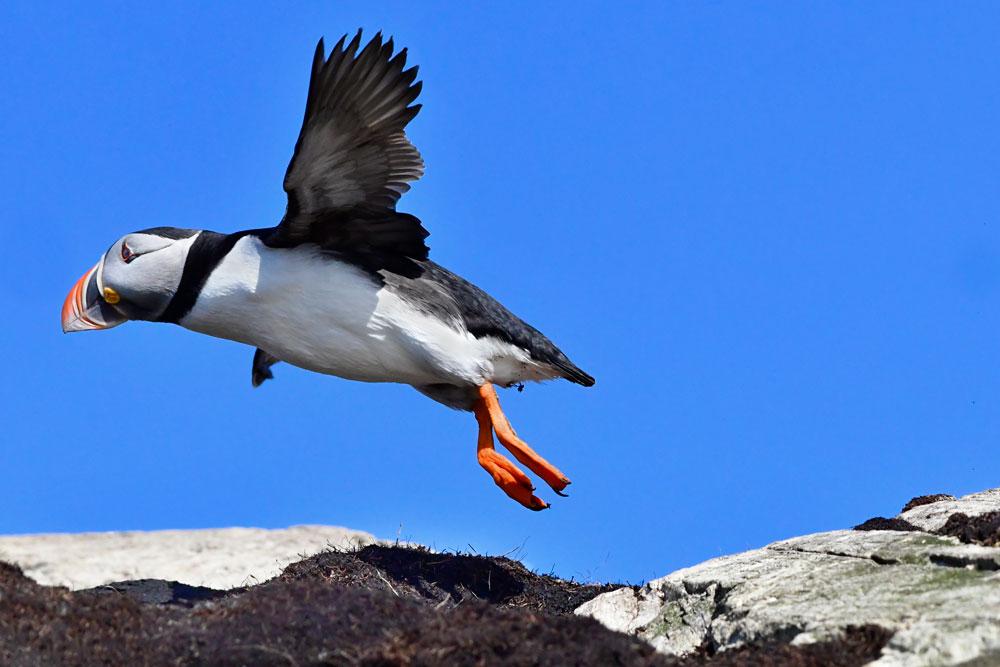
column 134, row 280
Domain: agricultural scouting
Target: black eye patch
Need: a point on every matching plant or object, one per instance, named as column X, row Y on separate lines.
column 127, row 254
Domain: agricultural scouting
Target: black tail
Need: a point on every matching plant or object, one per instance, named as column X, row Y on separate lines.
column 572, row 373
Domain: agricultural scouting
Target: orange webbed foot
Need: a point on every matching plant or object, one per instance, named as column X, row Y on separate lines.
column 506, row 475
column 510, row 479
column 550, row 474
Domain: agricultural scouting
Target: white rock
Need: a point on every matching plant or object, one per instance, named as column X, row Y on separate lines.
column 940, row 597
column 934, row 515
column 218, row 558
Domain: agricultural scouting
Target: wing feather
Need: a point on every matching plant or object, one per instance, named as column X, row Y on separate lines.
column 352, row 149
column 353, row 161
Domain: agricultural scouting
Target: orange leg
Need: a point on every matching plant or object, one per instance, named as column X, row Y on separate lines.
column 506, row 475
column 490, row 404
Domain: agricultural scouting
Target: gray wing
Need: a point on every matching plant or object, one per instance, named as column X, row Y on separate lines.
column 261, row 370
column 352, row 150
column 448, row 296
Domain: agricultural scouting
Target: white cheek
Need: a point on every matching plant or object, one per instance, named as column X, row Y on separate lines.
column 157, row 272
column 113, row 274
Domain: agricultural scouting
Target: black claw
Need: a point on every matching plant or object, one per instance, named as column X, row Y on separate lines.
column 560, row 493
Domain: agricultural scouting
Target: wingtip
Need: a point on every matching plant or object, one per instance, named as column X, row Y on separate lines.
column 355, row 43
column 339, row 46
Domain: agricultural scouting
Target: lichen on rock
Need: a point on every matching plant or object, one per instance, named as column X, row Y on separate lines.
column 929, row 577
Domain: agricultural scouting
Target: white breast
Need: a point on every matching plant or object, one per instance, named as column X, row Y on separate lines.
column 330, row 317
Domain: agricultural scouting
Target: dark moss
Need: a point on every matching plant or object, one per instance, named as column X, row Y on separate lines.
column 882, row 523
column 287, row 621
column 926, row 500
column 446, row 579
column 983, row 529
column 857, row 646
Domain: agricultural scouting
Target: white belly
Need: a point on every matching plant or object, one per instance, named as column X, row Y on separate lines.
column 330, row 317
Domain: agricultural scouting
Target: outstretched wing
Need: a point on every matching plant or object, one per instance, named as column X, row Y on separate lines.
column 352, row 160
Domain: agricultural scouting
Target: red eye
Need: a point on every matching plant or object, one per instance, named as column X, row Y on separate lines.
column 127, row 254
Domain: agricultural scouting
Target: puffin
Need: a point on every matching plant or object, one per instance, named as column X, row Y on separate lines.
column 343, row 285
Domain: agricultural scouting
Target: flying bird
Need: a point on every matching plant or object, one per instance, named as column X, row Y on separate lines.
column 343, row 284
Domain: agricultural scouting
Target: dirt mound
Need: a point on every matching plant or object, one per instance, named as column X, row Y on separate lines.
column 376, row 606
column 446, row 579
column 290, row 620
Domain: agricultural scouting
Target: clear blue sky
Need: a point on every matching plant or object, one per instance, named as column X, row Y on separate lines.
column 771, row 231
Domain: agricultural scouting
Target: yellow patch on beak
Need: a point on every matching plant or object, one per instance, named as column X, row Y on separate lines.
column 111, row 296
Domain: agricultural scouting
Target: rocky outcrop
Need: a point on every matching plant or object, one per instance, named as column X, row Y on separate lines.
column 920, row 588
column 929, row 577
column 217, row 558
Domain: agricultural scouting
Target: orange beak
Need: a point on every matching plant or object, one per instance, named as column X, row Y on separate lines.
column 85, row 310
